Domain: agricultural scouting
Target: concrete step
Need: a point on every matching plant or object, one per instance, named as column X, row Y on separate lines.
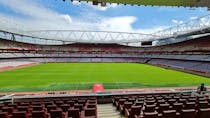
column 108, row 111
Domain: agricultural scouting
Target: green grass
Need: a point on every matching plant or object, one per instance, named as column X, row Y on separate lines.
column 68, row 76
column 155, row 2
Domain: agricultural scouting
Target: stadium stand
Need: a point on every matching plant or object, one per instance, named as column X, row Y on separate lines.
column 75, row 107
column 144, row 105
column 191, row 55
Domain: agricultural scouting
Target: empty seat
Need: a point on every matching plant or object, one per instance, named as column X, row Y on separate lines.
column 135, row 110
column 163, row 107
column 23, row 108
column 7, row 109
column 91, row 106
column 71, row 103
column 203, row 104
column 74, row 113
column 65, row 107
column 150, row 102
column 127, row 105
column 149, row 108
column 51, row 107
column 190, row 105
column 169, row 114
column 58, row 103
column 90, row 112
column 178, row 107
column 187, row 113
column 150, row 115
column 20, row 114
column 171, row 101
column 37, row 108
column 78, row 106
column 4, row 115
column 12, row 105
column 56, row 113
column 38, row 114
column 203, row 113
column 139, row 103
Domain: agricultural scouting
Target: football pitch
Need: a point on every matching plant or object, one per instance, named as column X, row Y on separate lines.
column 77, row 76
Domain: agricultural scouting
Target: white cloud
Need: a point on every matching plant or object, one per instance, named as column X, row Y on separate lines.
column 193, row 17
column 40, row 18
column 177, row 22
column 96, row 7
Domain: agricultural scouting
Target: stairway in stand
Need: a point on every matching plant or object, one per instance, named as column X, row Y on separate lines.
column 108, row 111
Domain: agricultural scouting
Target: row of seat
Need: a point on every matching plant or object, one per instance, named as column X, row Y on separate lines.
column 50, row 108
column 163, row 106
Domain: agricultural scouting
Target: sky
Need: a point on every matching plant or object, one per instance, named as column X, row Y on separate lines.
column 59, row 15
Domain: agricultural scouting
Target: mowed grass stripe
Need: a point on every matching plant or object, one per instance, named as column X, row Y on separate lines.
column 66, row 76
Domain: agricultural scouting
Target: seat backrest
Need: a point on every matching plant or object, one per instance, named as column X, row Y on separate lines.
column 91, row 105
column 149, row 108
column 65, row 107
column 90, row 112
column 19, row 114
column 22, row 108
column 150, row 115
column 163, row 107
column 203, row 104
column 4, row 115
column 128, row 105
column 56, row 113
column 51, row 107
column 71, row 103
column 37, row 108
column 187, row 113
column 190, row 105
column 78, row 106
column 178, row 107
column 169, row 114
column 203, row 113
column 74, row 113
column 7, row 109
column 136, row 110
column 38, row 114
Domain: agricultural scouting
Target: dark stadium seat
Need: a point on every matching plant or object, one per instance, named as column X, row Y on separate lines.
column 202, row 104
column 78, row 106
column 38, row 114
column 51, row 107
column 203, row 113
column 23, row 108
column 56, row 113
column 74, row 113
column 65, row 107
column 149, row 108
column 178, row 107
column 71, row 103
column 163, row 107
column 4, row 115
column 90, row 112
column 190, row 105
column 20, row 114
column 37, row 108
column 169, row 114
column 188, row 113
column 134, row 110
column 7, row 109
column 150, row 115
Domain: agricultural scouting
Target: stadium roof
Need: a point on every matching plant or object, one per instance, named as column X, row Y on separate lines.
column 186, row 3
column 79, row 36
column 80, row 22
